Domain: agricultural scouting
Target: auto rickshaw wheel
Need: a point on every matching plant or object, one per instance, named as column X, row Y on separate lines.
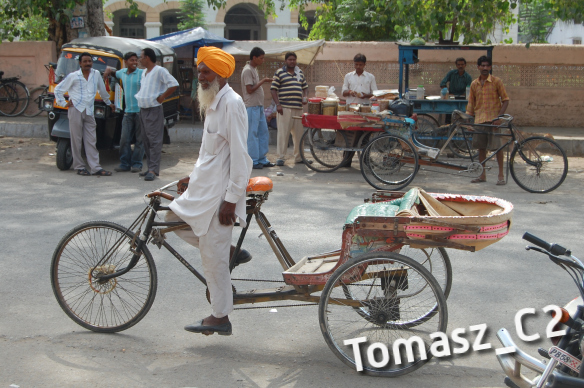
column 64, row 157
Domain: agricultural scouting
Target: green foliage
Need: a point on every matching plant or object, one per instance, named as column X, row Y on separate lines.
column 24, row 18
column 536, row 21
column 191, row 14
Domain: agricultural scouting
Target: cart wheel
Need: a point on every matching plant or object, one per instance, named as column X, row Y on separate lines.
column 461, row 145
column 436, row 261
column 426, row 131
column 327, row 148
column 389, row 162
column 393, row 295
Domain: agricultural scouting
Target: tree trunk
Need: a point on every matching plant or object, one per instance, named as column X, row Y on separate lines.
column 60, row 33
column 94, row 21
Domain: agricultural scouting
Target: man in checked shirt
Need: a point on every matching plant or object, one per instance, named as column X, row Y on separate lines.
column 487, row 101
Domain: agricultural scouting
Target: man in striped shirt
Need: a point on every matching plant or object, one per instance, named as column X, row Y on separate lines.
column 130, row 78
column 487, row 101
column 290, row 92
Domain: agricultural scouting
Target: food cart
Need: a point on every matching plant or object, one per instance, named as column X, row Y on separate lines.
column 408, row 55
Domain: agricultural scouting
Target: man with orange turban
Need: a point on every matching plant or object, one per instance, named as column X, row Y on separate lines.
column 215, row 196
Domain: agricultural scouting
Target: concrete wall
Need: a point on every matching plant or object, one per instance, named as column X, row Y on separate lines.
column 545, row 82
column 27, row 60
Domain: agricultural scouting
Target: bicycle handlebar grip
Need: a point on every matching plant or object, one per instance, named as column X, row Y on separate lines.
column 537, row 241
column 554, row 249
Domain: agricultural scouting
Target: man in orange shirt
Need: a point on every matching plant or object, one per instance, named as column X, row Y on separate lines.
column 487, row 101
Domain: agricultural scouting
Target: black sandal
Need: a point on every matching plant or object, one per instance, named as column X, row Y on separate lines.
column 83, row 172
column 103, row 172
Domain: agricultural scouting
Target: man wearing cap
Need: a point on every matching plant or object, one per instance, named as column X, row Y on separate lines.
column 215, row 196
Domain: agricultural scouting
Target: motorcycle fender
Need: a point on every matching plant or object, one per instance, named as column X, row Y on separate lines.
column 61, row 128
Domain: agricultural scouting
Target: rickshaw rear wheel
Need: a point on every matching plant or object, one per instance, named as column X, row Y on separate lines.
column 399, row 299
column 64, row 156
column 389, row 162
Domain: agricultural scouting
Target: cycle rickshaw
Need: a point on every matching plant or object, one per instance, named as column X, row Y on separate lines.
column 388, row 281
column 392, row 153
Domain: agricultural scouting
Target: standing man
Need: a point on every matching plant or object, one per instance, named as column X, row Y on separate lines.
column 216, row 191
column 290, row 92
column 358, row 88
column 458, row 80
column 258, row 138
column 359, row 85
column 82, row 86
column 130, row 77
column 156, row 85
column 487, row 101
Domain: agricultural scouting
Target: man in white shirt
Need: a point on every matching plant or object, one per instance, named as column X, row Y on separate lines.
column 359, row 84
column 82, row 86
column 155, row 86
column 216, row 191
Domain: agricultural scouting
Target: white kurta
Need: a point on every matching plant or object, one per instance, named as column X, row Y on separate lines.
column 223, row 169
column 364, row 83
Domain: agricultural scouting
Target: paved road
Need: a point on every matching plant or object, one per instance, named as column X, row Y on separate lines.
column 40, row 346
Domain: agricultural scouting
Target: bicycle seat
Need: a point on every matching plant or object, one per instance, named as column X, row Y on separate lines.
column 461, row 114
column 259, row 185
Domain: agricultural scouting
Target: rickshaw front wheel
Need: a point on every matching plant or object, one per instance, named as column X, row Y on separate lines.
column 398, row 300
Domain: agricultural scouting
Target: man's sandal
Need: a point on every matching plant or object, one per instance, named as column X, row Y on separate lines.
column 83, row 172
column 501, row 182
column 478, row 180
column 103, row 172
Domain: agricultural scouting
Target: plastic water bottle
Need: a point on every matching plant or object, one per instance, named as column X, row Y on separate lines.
column 467, row 92
column 443, row 93
column 420, row 92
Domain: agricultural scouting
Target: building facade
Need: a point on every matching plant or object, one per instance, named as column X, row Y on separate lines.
column 239, row 20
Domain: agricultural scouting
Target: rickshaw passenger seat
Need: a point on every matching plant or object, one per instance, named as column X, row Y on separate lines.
column 259, row 185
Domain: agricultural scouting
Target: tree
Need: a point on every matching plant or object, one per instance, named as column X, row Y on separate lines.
column 535, row 21
column 57, row 13
column 191, row 14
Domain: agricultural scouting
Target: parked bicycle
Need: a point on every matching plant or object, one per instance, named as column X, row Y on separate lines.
column 563, row 369
column 14, row 96
column 392, row 160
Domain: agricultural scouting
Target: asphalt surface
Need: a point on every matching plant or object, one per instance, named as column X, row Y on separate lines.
column 41, row 347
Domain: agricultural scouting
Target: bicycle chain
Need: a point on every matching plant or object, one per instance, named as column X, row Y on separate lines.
column 259, row 280
column 269, row 307
column 279, row 306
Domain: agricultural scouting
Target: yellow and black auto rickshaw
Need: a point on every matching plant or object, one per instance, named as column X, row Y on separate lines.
column 107, row 51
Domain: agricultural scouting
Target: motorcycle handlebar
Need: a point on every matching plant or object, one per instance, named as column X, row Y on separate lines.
column 562, row 381
column 554, row 249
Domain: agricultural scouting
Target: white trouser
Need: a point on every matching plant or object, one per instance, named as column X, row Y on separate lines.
column 214, row 247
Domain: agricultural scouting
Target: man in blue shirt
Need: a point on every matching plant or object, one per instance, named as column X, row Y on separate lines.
column 130, row 77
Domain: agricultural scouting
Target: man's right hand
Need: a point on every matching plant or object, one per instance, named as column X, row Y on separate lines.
column 69, row 104
column 182, row 185
column 280, row 109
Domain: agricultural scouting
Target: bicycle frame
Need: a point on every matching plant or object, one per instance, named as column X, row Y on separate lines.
column 155, row 231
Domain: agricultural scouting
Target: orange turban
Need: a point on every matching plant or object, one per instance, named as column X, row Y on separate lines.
column 217, row 60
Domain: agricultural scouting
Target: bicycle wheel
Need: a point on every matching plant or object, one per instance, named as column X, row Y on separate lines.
column 389, row 162
column 114, row 305
column 8, row 100
column 34, row 100
column 426, row 132
column 327, row 147
column 436, row 261
column 398, row 299
column 21, row 96
column 461, row 145
column 538, row 165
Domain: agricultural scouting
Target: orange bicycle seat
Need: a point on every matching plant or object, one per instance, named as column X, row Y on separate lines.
column 259, row 185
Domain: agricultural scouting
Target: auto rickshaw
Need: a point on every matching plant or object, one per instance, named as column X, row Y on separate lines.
column 107, row 51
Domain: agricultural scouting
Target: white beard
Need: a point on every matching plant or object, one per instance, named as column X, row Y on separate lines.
column 206, row 96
